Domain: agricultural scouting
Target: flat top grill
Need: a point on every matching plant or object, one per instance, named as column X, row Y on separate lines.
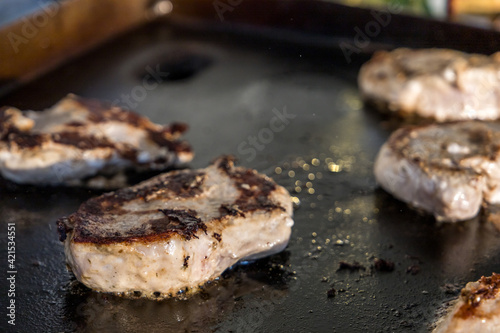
column 226, row 86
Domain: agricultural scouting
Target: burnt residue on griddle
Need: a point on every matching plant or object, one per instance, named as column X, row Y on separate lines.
column 331, row 293
column 413, row 269
column 382, row 265
column 355, row 266
column 486, row 288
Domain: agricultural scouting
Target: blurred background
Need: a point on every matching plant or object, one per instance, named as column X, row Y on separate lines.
column 484, row 13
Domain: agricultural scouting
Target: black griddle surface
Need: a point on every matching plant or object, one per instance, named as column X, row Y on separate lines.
column 228, row 88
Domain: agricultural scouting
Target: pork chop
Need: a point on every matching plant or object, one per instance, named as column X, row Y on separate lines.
column 477, row 309
column 448, row 170
column 85, row 142
column 176, row 231
column 433, row 83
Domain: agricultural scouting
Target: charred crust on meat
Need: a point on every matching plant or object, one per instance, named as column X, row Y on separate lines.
column 185, row 263
column 163, row 139
column 254, row 194
column 254, row 189
column 183, row 222
column 230, row 210
column 226, row 163
column 97, row 112
column 75, row 124
column 485, row 288
column 480, row 139
column 178, row 128
column 217, row 236
column 84, row 142
column 63, row 228
column 181, row 184
column 23, row 140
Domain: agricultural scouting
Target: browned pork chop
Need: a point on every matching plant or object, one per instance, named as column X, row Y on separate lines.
column 448, row 169
column 433, row 83
column 176, row 231
column 477, row 310
column 85, row 142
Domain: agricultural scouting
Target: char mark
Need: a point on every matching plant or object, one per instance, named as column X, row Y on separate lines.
column 186, row 262
column 183, row 222
column 24, row 140
column 217, row 236
column 85, row 142
column 163, row 138
column 255, row 190
column 487, row 289
column 230, row 210
column 63, row 228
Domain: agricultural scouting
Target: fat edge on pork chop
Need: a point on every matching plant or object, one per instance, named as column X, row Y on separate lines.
column 177, row 231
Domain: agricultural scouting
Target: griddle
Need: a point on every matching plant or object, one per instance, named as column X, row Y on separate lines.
column 227, row 81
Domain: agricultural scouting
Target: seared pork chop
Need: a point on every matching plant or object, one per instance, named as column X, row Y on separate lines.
column 77, row 140
column 477, row 309
column 176, row 231
column 433, row 83
column 448, row 170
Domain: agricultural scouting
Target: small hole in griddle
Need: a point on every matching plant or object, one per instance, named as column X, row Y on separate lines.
column 176, row 65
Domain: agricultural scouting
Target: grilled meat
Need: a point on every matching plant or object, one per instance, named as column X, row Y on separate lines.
column 84, row 142
column 448, row 170
column 176, row 231
column 433, row 83
column 477, row 309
